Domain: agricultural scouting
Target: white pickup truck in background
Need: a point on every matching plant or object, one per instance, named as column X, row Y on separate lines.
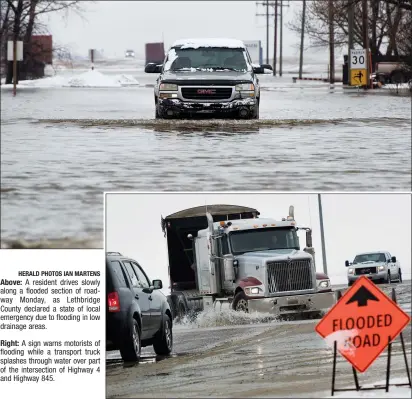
column 378, row 266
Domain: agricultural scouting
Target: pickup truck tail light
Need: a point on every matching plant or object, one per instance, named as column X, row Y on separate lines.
column 113, row 302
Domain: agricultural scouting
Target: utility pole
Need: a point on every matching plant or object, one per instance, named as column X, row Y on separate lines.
column 267, row 31
column 351, row 24
column 331, row 43
column 281, row 38
column 302, row 38
column 275, row 39
column 322, row 236
column 365, row 34
column 267, row 14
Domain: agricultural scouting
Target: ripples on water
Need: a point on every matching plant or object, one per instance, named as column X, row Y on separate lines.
column 89, row 141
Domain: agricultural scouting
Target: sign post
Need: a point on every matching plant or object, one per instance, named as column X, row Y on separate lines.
column 362, row 323
column 358, row 68
column 14, row 53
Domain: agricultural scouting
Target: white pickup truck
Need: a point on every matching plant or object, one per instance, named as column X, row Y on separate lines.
column 379, row 266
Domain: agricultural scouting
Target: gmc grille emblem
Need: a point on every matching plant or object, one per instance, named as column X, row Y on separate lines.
column 206, row 91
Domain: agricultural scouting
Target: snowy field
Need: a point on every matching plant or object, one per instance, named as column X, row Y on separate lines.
column 69, row 137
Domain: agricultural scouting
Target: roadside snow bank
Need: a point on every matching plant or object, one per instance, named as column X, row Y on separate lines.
column 394, row 392
column 91, row 79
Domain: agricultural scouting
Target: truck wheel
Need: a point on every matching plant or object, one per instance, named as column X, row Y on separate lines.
column 180, row 311
column 157, row 114
column 163, row 341
column 240, row 302
column 350, row 283
column 132, row 343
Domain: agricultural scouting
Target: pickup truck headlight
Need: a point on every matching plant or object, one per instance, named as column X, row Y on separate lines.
column 168, row 87
column 381, row 268
column 245, row 87
column 350, row 271
column 253, row 291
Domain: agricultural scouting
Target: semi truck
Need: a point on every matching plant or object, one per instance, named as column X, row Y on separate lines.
column 227, row 257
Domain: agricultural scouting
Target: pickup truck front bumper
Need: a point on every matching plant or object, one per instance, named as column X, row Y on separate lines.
column 378, row 276
column 241, row 107
column 293, row 304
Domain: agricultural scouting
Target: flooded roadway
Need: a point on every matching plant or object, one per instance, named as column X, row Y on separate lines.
column 310, row 137
column 240, row 359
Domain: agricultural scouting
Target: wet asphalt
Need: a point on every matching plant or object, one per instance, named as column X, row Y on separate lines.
column 237, row 355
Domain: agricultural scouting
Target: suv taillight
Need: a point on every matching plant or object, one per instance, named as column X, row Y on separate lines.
column 113, row 301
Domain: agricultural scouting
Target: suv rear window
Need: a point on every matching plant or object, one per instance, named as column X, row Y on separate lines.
column 118, row 271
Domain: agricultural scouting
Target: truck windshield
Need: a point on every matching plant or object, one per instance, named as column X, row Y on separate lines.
column 203, row 58
column 369, row 258
column 263, row 240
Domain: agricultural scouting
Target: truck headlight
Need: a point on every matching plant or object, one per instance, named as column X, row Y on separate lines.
column 324, row 284
column 350, row 271
column 381, row 268
column 168, row 87
column 245, row 87
column 253, row 291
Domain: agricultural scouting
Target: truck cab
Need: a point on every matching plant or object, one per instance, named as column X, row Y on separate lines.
column 245, row 262
column 378, row 266
column 213, row 77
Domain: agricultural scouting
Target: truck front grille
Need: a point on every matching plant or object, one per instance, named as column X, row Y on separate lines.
column 294, row 275
column 365, row 270
column 206, row 93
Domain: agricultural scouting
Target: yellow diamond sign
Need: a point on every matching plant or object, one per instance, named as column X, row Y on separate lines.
column 358, row 77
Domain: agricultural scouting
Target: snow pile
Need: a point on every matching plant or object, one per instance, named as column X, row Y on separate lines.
column 90, row 79
column 210, row 42
column 343, row 339
column 394, row 391
column 127, row 80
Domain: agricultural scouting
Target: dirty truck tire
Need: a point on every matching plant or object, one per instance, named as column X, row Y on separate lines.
column 240, row 302
column 132, row 343
column 163, row 342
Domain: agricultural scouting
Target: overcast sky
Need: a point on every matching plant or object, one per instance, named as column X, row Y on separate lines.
column 115, row 26
column 352, row 223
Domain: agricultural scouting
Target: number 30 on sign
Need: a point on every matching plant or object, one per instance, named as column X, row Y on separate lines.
column 358, row 59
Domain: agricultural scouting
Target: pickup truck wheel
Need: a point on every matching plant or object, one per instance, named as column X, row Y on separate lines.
column 240, row 302
column 157, row 115
column 132, row 344
column 350, row 283
column 256, row 112
column 388, row 279
column 163, row 341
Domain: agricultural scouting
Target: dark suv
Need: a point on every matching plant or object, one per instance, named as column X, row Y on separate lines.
column 138, row 313
column 207, row 76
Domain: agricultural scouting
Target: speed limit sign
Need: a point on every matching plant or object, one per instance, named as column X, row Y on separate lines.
column 358, row 59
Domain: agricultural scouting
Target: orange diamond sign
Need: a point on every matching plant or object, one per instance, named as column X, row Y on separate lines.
column 362, row 322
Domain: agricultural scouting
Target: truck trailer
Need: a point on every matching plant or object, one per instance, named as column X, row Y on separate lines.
column 227, row 257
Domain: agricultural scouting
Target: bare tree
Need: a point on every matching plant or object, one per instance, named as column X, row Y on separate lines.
column 385, row 24
column 21, row 21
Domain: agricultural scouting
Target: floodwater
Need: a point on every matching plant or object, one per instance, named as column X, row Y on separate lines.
column 231, row 354
column 61, row 148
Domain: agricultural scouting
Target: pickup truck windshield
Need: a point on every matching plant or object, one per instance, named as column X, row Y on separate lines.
column 263, row 240
column 369, row 258
column 216, row 58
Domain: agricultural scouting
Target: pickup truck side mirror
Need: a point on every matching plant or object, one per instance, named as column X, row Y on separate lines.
column 267, row 66
column 347, row 263
column 153, row 68
column 157, row 284
column 258, row 70
column 393, row 259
